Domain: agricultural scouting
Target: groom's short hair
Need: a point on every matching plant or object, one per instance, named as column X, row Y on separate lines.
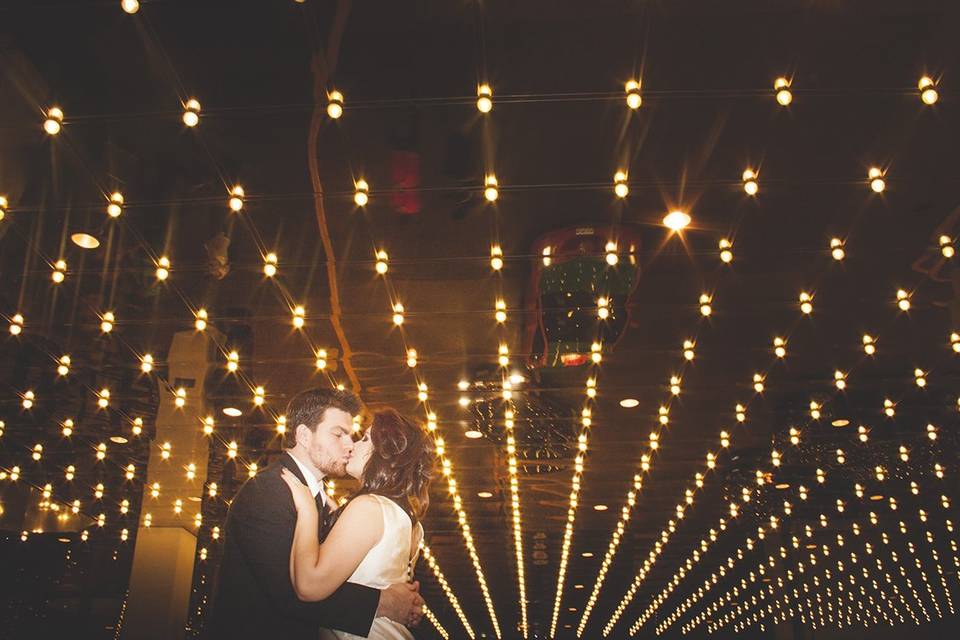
column 308, row 406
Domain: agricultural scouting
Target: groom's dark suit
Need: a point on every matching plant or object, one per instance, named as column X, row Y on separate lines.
column 253, row 596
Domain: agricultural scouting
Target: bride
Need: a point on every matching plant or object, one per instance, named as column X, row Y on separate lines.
column 376, row 539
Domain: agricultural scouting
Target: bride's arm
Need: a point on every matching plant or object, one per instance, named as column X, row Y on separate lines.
column 316, row 570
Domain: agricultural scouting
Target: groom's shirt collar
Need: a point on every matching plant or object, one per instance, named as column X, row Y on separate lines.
column 315, row 485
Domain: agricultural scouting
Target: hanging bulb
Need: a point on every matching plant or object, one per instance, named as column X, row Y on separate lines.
column 836, row 249
column 780, row 347
column 946, row 246
column 490, row 190
column 130, row 6
column 596, row 352
column 201, row 319
column 259, row 394
column 237, row 196
column 632, row 89
column 321, row 360
column 806, row 302
column 163, row 268
column 381, row 265
column 106, row 321
column 869, row 344
column 928, row 90
column 334, row 104
column 398, row 312
column 115, row 204
column 137, row 427
column 750, row 182
column 270, row 265
column 411, row 358
column 500, row 313
column 676, row 220
column 503, row 357
column 877, row 183
column 59, row 271
column 191, row 112
column 903, row 300
column 620, row 186
column 782, row 87
column 299, row 316
column 422, row 392
column 603, row 310
column 63, row 368
column 361, row 193
column 496, row 257
column 612, row 257
column 54, row 121
column 688, row 350
column 726, row 253
column 146, row 363
column 705, row 304
column 233, row 361
column 484, row 98
column 840, row 379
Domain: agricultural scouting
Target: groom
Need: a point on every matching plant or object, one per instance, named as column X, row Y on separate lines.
column 253, row 597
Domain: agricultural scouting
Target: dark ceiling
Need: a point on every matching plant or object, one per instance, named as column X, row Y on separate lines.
column 558, row 131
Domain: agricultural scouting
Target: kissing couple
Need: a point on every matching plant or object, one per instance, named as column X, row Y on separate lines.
column 295, row 567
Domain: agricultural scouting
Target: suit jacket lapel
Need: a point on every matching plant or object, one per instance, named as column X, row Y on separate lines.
column 287, row 461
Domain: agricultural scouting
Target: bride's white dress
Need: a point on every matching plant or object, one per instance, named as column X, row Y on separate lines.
column 388, row 562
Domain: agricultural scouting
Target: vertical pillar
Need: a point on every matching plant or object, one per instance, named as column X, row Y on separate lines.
column 162, row 572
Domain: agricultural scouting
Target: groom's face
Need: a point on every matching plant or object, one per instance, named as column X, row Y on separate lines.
column 330, row 444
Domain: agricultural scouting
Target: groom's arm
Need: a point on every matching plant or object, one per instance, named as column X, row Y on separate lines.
column 267, row 518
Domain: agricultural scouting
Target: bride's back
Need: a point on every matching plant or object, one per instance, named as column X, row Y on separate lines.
column 390, row 560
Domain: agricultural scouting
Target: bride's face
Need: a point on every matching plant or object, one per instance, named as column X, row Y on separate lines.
column 361, row 453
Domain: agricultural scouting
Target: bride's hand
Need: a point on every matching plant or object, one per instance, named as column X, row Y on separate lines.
column 302, row 498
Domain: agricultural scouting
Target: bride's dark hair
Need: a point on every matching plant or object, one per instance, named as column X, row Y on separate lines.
column 401, row 463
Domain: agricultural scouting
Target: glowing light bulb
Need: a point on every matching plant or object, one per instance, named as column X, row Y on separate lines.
column 484, row 98
column 903, row 300
column 146, row 363
column 398, row 312
column 547, row 260
column 490, row 190
column 496, row 257
column 299, row 316
column 54, row 121
column 270, row 265
column 321, row 361
column 237, row 195
column 780, row 347
column 840, row 379
column 233, row 361
column 63, row 368
column 422, row 392
column 676, row 220
column 875, row 176
column 620, row 186
column 503, row 357
column 163, row 268
column 928, row 90
column 137, row 427
column 946, row 246
column 612, row 257
column 782, row 87
column 705, row 304
column 4, row 203
column 106, row 321
column 191, row 112
column 500, row 312
column 596, row 352
column 334, row 104
column 381, row 265
column 750, row 185
column 16, row 324
column 130, row 6
column 836, row 249
column 632, row 89
column 361, row 194
column 806, row 302
column 869, row 344
column 411, row 358
column 59, row 271
column 200, row 319
column 103, row 398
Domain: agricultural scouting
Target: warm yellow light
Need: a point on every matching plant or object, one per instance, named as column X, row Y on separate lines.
column 4, row 203
column 806, row 302
column 632, row 88
column 398, row 312
column 115, row 204
column 270, row 265
column 299, row 316
column 500, row 313
column 201, row 319
column 836, row 249
column 620, row 186
column 54, row 121
column 903, row 300
column 411, row 358
column 946, row 246
column 163, row 268
column 361, row 195
column 612, row 257
column 484, row 98
column 381, row 265
column 676, row 220
column 321, row 361
column 928, row 90
column 490, row 191
column 130, row 6
column 146, row 363
column 496, row 257
column 750, row 185
column 236, row 198
column 706, row 308
column 877, row 183
column 334, row 104
column 191, row 112
column 782, row 87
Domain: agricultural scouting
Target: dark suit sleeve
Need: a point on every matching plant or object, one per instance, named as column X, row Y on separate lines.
column 267, row 518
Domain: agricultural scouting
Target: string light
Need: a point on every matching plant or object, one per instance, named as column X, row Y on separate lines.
column 411, row 358
column 63, row 368
column 632, row 89
column 103, row 398
column 115, row 204
column 334, row 104
column 106, row 321
column 836, row 249
column 163, row 268
column 54, row 121
column 270, row 265
column 59, row 271
column 398, row 312
column 233, row 361
column 875, row 176
column 726, row 251
column 705, row 304
column 321, row 361
column 4, row 203
column 500, row 311
column 946, row 246
column 688, row 352
column 146, row 363
column 137, row 427
column 612, row 257
column 237, row 196
column 191, row 112
column 782, row 88
column 903, row 300
column 928, row 90
column 620, row 186
column 381, row 265
column 130, row 6
column 361, row 193
column 490, row 190
column 676, row 220
column 603, row 310
column 200, row 321
column 806, row 302
column 869, row 344
column 780, row 347
column 750, row 185
column 258, row 396
column 484, row 98
column 299, row 315
column 496, row 257
column 16, row 325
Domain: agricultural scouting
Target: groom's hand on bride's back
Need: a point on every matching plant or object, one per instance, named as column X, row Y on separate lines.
column 401, row 602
